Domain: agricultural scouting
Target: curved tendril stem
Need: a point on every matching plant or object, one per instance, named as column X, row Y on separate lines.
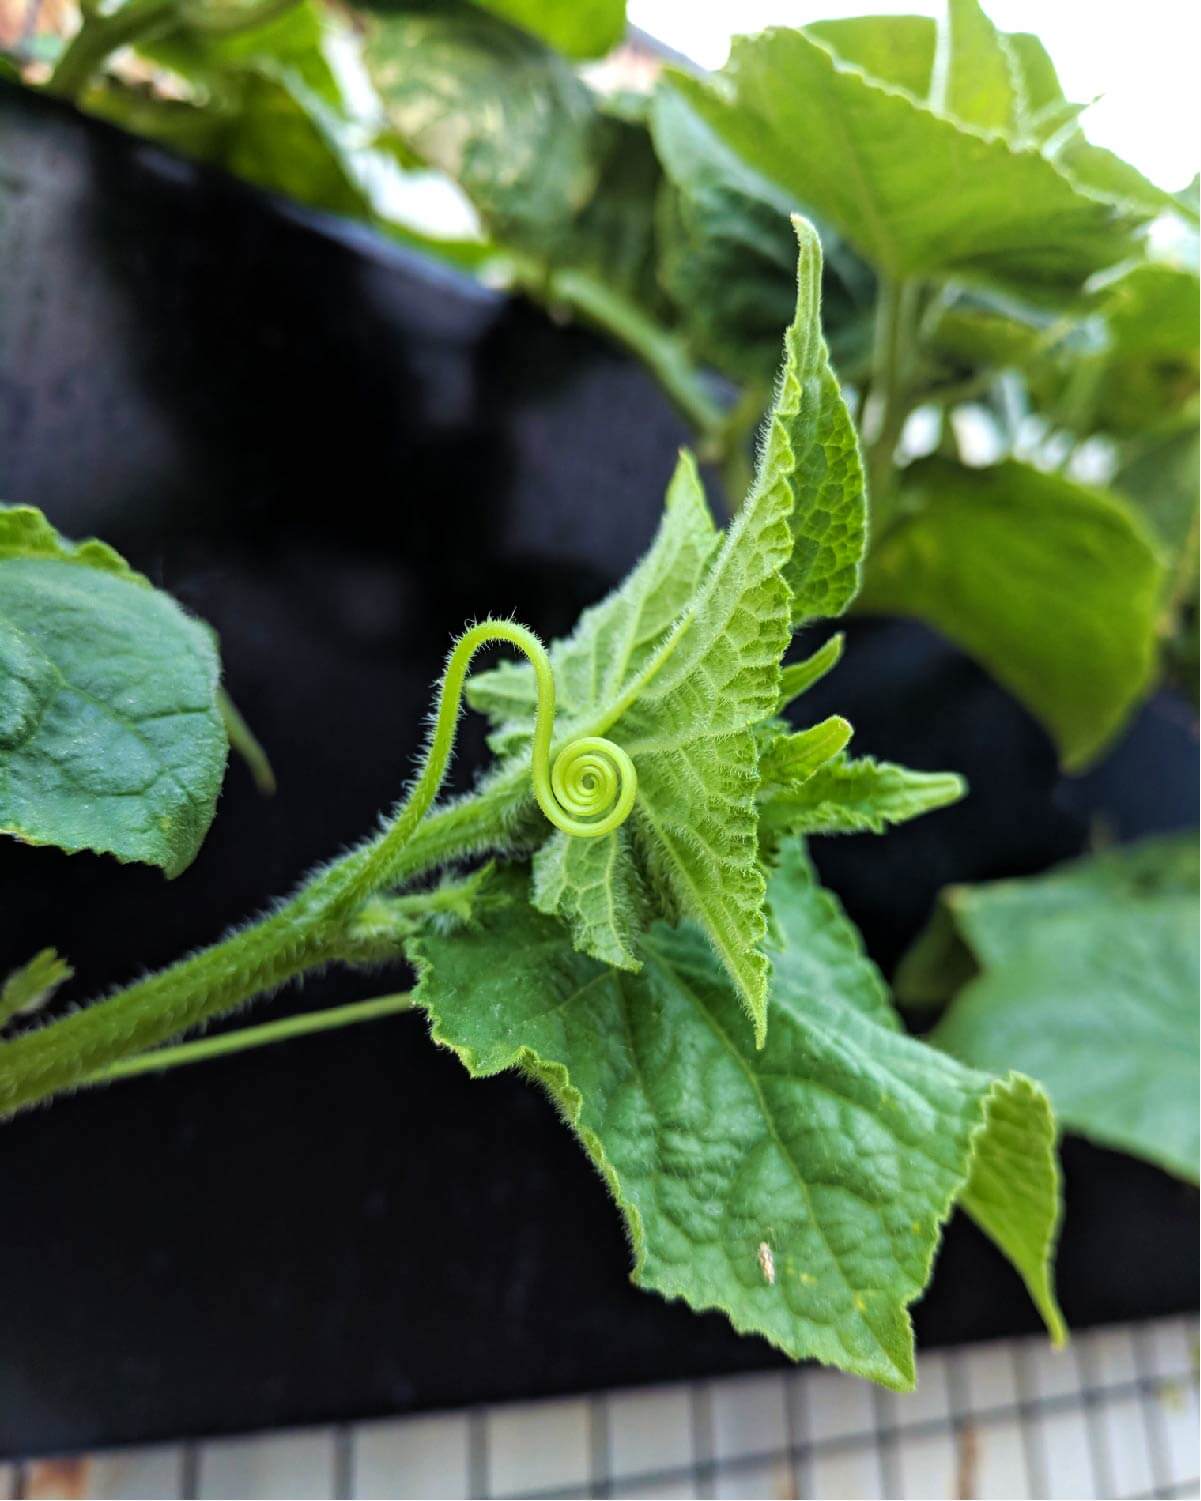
column 588, row 791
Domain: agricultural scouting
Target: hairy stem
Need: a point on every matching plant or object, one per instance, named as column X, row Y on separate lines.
column 246, row 1038
column 587, row 791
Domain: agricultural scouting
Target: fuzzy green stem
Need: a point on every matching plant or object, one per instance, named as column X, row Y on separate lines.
column 246, row 1038
column 587, row 791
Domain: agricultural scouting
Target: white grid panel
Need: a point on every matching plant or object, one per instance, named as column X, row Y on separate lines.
column 1113, row 1416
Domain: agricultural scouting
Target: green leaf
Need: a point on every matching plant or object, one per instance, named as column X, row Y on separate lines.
column 1088, row 982
column 915, row 192
column 855, row 796
column 110, row 737
column 1047, row 109
column 727, row 251
column 799, row 1189
column 797, row 678
column 975, row 79
column 811, row 451
column 681, row 662
column 612, row 237
column 495, row 109
column 678, row 675
column 579, row 28
column 793, row 758
column 595, row 887
column 1053, row 586
column 897, row 50
column 31, row 986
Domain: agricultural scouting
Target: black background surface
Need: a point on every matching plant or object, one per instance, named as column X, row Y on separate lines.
column 338, row 456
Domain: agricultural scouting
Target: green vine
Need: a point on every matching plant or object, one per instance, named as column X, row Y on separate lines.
column 586, row 790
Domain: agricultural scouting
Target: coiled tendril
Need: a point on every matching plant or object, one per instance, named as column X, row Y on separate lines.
column 588, row 791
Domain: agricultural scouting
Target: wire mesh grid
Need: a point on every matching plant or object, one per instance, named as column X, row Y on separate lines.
column 1115, row 1415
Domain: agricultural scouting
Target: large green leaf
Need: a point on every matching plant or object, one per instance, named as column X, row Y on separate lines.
column 897, row 50
column 1088, row 982
column 799, row 1189
column 1053, row 586
column 975, row 78
column 580, row 28
column 916, row 192
column 495, row 109
column 727, row 252
column 110, row 736
column 681, row 662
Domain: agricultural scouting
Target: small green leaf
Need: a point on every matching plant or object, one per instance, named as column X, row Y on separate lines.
column 986, row 556
column 811, row 452
column 855, row 796
column 1088, row 982
column 800, row 1189
column 915, row 192
column 793, row 759
column 797, row 678
column 594, row 886
column 30, row 987
column 110, row 736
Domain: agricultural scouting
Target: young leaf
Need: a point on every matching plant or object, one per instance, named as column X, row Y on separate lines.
column 1053, row 586
column 854, row 796
column 877, row 164
column 682, row 661
column 840, row 1147
column 680, row 695
column 811, row 452
column 1088, row 982
column 793, row 758
column 798, row 677
column 110, row 735
column 31, row 986
column 595, row 887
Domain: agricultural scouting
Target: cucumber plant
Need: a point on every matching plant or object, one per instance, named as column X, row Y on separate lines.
column 1011, row 316
column 647, row 941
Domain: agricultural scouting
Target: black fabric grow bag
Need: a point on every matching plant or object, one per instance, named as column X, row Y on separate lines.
column 338, row 455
